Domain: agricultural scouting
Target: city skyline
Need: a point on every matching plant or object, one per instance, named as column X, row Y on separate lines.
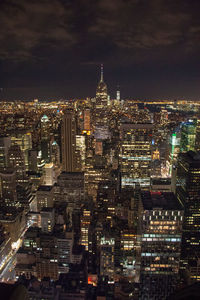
column 150, row 50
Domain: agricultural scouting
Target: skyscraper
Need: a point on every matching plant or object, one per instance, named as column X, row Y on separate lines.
column 135, row 154
column 16, row 162
column 197, row 140
column 161, row 224
column 5, row 143
column 101, row 92
column 68, row 142
column 188, row 136
column 101, row 102
column 187, row 190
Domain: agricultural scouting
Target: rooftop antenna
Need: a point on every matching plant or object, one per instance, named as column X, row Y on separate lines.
column 101, row 72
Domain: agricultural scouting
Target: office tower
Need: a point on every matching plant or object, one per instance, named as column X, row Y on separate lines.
column 5, row 143
column 69, row 154
column 47, row 258
column 135, row 154
column 133, row 209
column 118, row 95
column 64, row 243
column 98, row 147
column 174, row 144
column 129, row 254
column 85, row 223
column 87, row 125
column 197, row 140
column 188, row 136
column 47, row 219
column 107, row 266
column 187, row 191
column 80, row 151
column 8, row 188
column 32, row 160
column 70, row 189
column 55, row 154
column 161, row 220
column 49, row 174
column 45, row 138
column 16, row 162
column 44, row 196
column 24, row 140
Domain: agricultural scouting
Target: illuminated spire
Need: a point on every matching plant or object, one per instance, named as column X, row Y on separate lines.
column 101, row 73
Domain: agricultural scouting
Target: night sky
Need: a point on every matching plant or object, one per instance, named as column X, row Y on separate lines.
column 52, row 49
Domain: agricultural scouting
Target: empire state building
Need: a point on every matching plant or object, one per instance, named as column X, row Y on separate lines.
column 101, row 93
column 101, row 105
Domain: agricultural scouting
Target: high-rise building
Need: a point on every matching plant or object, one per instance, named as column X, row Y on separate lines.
column 85, row 223
column 64, row 243
column 8, row 190
column 24, row 140
column 101, row 93
column 80, row 151
column 188, row 136
column 161, row 220
column 87, row 125
column 100, row 117
column 47, row 219
column 16, row 162
column 70, row 189
column 44, row 197
column 135, row 154
column 32, row 160
column 55, row 154
column 49, row 174
column 187, row 190
column 197, row 140
column 5, row 143
column 69, row 155
column 107, row 266
column 45, row 138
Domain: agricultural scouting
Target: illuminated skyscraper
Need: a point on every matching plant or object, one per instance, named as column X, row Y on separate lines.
column 101, row 92
column 197, row 140
column 188, row 136
column 101, row 102
column 161, row 226
column 8, row 191
column 135, row 154
column 87, row 126
column 187, row 190
column 45, row 138
column 16, row 162
column 24, row 140
column 5, row 143
column 68, row 142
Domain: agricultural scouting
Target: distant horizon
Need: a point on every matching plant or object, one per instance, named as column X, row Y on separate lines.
column 44, row 94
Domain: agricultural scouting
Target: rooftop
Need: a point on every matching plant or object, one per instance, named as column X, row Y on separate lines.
column 162, row 200
column 45, row 188
column 193, row 158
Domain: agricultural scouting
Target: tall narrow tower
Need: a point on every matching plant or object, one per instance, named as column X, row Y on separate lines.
column 101, row 102
column 68, row 142
column 101, row 92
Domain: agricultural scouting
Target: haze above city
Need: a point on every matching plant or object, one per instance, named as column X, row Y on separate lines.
column 53, row 49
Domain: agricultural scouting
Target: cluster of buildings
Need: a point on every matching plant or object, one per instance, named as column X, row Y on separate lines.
column 100, row 198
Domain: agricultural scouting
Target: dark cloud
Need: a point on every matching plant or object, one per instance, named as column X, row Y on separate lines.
column 142, row 24
column 26, row 25
column 54, row 41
